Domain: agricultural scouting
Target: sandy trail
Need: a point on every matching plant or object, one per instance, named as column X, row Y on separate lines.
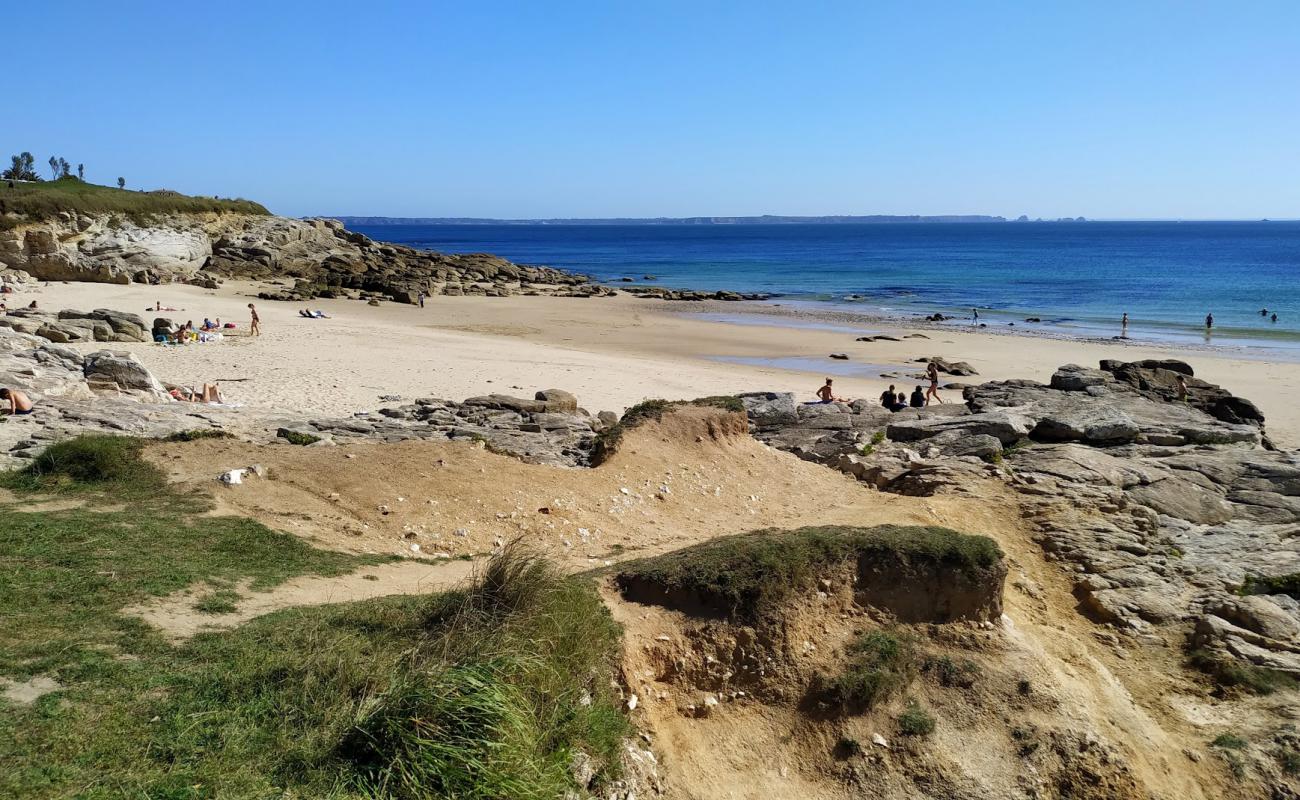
column 611, row 352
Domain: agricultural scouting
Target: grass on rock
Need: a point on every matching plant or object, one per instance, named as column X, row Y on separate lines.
column 748, row 576
column 915, row 721
column 34, row 202
column 485, row 692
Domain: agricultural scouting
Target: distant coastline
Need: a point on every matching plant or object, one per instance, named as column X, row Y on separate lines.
column 766, row 219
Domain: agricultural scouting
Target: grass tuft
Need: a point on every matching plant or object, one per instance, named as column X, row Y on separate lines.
column 880, row 664
column 90, row 461
column 196, row 434
column 915, row 721
column 513, row 680
column 1231, row 674
column 1231, row 741
column 298, row 437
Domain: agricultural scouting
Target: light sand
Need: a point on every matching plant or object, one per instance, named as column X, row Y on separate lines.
column 611, row 352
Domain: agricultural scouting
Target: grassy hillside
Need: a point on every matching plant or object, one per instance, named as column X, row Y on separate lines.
column 38, row 201
column 482, row 693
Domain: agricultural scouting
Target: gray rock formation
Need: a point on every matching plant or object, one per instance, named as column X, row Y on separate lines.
column 1162, row 510
column 321, row 255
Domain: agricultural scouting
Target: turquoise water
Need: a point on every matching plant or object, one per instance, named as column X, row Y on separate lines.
column 1077, row 277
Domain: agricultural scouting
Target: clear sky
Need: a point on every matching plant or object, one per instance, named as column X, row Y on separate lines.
column 647, row 108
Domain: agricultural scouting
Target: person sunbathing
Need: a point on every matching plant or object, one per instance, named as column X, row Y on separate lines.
column 319, row 314
column 209, row 394
column 305, row 312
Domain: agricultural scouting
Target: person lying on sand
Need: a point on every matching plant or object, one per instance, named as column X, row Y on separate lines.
column 14, row 402
column 827, row 395
column 209, row 394
column 158, row 306
column 320, row 314
column 305, row 312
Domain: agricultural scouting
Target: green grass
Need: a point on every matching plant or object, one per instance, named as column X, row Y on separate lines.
column 477, row 693
column 608, row 441
column 1235, row 675
column 1230, row 741
column 880, row 664
column 915, row 721
column 92, row 461
column 298, row 437
column 1278, row 584
column 222, row 601
column 749, row 576
column 41, row 201
column 197, row 434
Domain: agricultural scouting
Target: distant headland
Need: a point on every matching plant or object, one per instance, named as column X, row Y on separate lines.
column 765, row 219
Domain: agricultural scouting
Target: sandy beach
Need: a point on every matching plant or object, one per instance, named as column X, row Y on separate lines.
column 611, row 352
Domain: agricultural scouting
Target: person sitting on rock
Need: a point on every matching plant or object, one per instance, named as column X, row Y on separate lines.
column 899, row 403
column 1182, row 387
column 887, row 397
column 918, row 398
column 827, row 395
column 14, row 402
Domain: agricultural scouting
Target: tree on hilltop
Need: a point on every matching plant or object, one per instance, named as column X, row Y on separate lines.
column 121, row 183
column 54, row 168
column 22, row 168
column 65, row 169
column 81, row 172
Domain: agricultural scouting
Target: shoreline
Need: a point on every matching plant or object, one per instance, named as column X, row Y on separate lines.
column 612, row 352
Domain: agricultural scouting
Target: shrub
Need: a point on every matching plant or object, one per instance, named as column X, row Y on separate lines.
column 1230, row 741
column 88, row 460
column 915, row 721
column 881, row 663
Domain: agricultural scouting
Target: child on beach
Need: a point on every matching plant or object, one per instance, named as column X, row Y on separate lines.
column 255, row 327
column 932, row 372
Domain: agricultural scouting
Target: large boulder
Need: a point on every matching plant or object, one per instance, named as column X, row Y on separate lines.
column 1158, row 380
column 124, row 370
column 770, row 409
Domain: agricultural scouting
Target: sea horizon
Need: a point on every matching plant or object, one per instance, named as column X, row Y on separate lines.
column 1075, row 279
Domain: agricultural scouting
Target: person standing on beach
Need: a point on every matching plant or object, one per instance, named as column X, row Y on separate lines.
column 421, row 299
column 932, row 372
column 1209, row 321
column 975, row 315
column 1123, row 325
column 254, row 327
column 1182, row 387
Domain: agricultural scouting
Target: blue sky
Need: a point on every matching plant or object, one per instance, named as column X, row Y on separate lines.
column 621, row 108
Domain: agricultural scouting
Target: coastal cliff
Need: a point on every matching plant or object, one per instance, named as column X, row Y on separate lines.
column 321, row 254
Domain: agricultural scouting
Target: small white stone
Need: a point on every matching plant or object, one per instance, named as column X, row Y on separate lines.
column 877, row 739
column 631, row 702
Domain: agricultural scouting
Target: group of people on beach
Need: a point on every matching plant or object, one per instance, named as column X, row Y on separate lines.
column 890, row 398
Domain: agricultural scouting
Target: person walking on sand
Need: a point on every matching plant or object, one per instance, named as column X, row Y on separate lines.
column 932, row 372
column 254, row 327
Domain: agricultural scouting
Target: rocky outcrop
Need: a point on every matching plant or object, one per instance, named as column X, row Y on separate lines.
column 321, row 255
column 1162, row 510
column 68, row 325
column 662, row 293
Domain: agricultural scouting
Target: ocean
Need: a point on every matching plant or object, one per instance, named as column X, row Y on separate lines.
column 1078, row 278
